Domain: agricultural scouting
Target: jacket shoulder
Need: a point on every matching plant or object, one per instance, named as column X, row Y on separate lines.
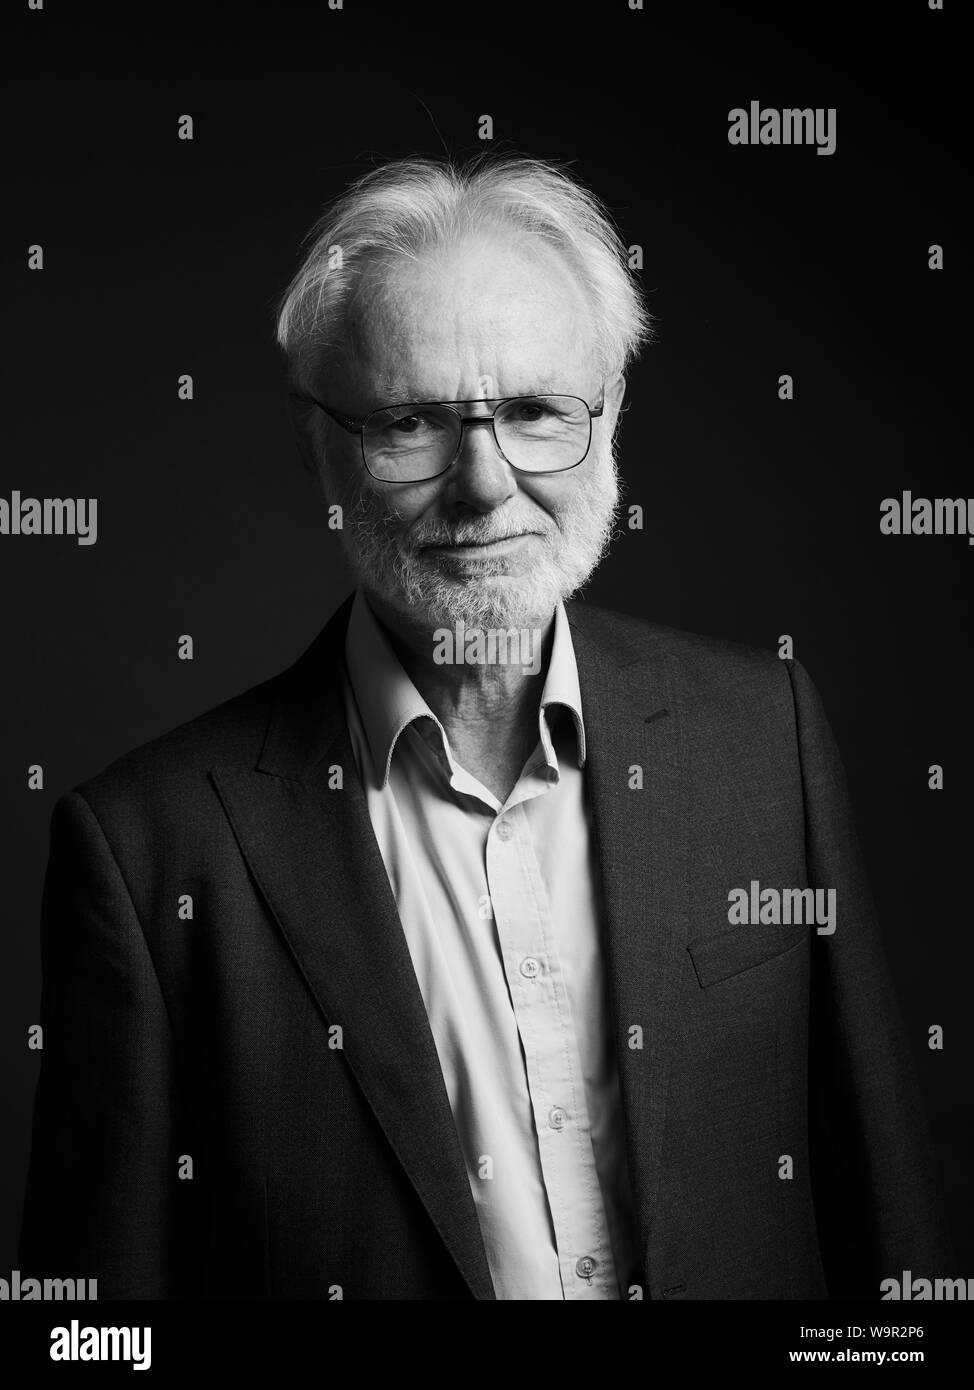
column 696, row 658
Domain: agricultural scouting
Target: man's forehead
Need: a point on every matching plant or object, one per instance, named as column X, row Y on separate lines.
column 472, row 367
column 500, row 314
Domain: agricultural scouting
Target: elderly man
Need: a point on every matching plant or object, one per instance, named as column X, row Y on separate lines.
column 467, row 957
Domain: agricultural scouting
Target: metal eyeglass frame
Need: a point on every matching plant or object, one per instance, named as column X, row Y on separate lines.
column 356, row 425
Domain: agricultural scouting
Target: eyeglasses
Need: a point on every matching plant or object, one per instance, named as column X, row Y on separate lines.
column 414, row 442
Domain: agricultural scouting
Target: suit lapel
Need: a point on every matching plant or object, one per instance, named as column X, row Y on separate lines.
column 633, row 716
column 315, row 858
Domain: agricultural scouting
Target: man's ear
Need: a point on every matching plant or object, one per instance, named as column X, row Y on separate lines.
column 300, row 415
column 615, row 390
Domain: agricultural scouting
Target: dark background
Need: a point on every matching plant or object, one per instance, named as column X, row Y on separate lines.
column 164, row 257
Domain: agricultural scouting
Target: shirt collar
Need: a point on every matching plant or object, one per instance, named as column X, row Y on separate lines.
column 388, row 701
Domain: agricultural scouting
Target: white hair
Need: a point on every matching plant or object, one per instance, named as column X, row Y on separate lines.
column 408, row 206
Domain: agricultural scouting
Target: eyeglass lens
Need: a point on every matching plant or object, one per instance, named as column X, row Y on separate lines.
column 537, row 434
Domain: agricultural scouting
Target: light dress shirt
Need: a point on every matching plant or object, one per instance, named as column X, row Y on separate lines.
column 499, row 904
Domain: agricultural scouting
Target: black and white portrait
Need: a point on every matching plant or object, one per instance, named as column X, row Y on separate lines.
column 489, row 702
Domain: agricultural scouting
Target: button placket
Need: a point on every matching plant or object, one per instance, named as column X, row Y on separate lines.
column 554, row 1072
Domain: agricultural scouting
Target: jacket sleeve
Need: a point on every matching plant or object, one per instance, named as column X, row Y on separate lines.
column 102, row 1199
column 874, row 1174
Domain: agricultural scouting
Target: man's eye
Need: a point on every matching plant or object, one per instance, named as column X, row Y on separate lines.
column 412, row 424
column 530, row 412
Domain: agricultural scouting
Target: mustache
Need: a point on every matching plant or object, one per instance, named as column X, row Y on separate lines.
column 437, row 532
column 430, row 534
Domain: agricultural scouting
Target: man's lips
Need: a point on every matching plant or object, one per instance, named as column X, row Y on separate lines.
column 499, row 546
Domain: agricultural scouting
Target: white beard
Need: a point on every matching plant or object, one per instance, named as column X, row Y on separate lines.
column 482, row 594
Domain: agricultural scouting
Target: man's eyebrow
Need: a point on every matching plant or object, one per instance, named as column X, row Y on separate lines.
column 546, row 387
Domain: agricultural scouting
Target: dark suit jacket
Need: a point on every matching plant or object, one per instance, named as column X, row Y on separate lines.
column 316, row 1166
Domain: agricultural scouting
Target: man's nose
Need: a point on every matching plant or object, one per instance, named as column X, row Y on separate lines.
column 481, row 476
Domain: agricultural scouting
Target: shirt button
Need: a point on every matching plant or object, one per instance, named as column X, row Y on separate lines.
column 530, row 968
column 586, row 1267
column 557, row 1117
column 504, row 831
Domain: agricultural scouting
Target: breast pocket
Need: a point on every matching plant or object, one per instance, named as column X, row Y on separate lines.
column 717, row 958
